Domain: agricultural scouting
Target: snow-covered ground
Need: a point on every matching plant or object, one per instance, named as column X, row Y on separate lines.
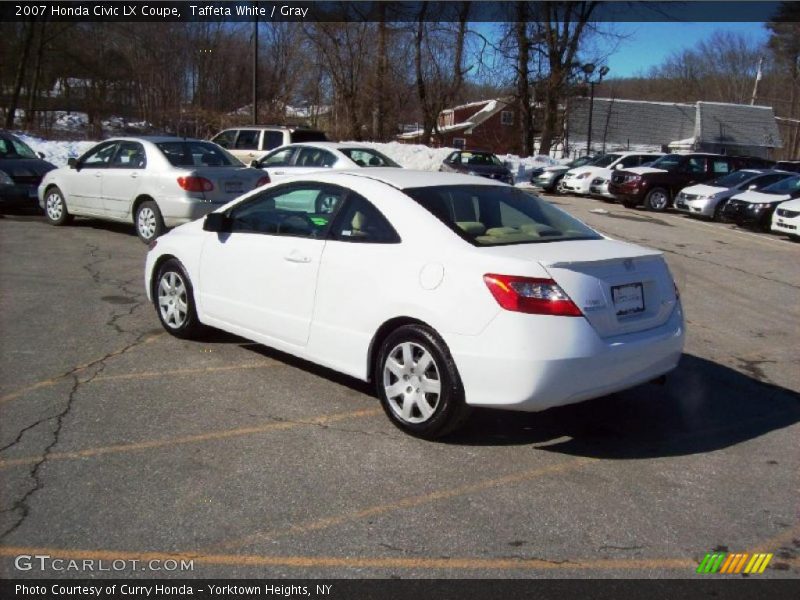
column 56, row 152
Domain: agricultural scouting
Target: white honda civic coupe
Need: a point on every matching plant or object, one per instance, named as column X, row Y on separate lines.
column 447, row 291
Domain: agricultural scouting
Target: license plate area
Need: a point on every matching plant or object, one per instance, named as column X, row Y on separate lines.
column 628, row 299
column 233, row 187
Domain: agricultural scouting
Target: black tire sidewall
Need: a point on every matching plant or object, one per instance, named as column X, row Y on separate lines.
column 191, row 326
column 451, row 409
column 159, row 221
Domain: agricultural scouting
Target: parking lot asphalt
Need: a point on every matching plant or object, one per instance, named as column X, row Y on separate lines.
column 120, row 442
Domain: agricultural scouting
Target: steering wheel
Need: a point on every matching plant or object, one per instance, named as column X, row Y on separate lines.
column 296, row 223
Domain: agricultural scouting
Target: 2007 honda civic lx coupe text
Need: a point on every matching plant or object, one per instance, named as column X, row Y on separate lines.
column 447, row 291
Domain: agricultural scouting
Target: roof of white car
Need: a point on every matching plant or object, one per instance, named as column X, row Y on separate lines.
column 155, row 139
column 409, row 178
column 331, row 145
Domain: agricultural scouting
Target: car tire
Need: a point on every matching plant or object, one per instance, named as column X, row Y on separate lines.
column 173, row 297
column 148, row 221
column 657, row 199
column 717, row 216
column 55, row 207
column 424, row 400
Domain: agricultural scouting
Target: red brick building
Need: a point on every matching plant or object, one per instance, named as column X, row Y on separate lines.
column 491, row 125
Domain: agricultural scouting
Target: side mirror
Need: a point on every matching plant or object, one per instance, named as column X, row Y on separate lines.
column 72, row 163
column 254, row 164
column 41, row 155
column 752, row 186
column 217, row 222
column 619, row 167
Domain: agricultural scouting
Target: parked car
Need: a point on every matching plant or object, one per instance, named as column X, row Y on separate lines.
column 445, row 290
column 253, row 143
column 580, row 179
column 549, row 178
column 786, row 219
column 299, row 159
column 21, row 172
column 152, row 182
column 755, row 209
column 477, row 162
column 788, row 165
column 656, row 185
column 709, row 199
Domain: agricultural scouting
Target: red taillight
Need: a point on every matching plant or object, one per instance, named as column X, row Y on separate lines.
column 195, row 184
column 531, row 295
column 263, row 181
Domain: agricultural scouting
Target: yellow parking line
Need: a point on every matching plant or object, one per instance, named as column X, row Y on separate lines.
column 51, row 381
column 407, row 502
column 190, row 439
column 369, row 562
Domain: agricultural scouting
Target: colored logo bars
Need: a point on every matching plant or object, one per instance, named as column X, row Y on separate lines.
column 726, row 562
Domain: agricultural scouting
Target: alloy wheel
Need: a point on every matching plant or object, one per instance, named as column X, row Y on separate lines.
column 172, row 299
column 146, row 223
column 412, row 383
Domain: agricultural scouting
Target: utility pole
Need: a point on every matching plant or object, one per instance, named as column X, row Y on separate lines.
column 255, row 72
column 755, row 85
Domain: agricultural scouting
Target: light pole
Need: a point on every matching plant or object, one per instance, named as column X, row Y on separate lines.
column 588, row 70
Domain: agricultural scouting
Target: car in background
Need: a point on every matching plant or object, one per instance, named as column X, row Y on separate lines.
column 21, row 172
column 446, row 291
column 477, row 162
column 786, row 219
column 253, row 143
column 299, row 159
column 580, row 179
column 152, row 182
column 788, row 165
column 755, row 209
column 709, row 199
column 656, row 185
column 549, row 178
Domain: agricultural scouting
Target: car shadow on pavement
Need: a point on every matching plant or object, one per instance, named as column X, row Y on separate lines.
column 114, row 226
column 703, row 406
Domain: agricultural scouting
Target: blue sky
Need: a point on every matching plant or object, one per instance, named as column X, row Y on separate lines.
column 651, row 43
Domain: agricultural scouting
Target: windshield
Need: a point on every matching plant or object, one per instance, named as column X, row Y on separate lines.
column 488, row 215
column 196, row 154
column 733, row 179
column 581, row 161
column 13, row 148
column 605, row 160
column 366, row 157
column 785, row 186
column 667, row 162
column 481, row 158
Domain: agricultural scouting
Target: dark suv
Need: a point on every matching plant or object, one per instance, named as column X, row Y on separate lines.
column 656, row 185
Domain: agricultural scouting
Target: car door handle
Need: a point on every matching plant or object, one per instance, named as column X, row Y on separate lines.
column 134, row 175
column 278, row 172
column 297, row 258
column 98, row 174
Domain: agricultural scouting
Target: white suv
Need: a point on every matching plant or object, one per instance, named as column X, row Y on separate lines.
column 253, row 143
column 580, row 180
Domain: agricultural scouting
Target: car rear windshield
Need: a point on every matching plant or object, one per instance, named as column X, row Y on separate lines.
column 488, row 215
column 196, row 154
column 732, row 179
column 308, row 135
column 367, row 157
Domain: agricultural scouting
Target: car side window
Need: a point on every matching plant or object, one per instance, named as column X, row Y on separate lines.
column 247, row 139
column 696, row 165
column 272, row 139
column 763, row 182
column 314, row 157
column 630, row 161
column 99, row 157
column 281, row 158
column 302, row 210
column 361, row 222
column 226, row 138
column 720, row 167
column 129, row 155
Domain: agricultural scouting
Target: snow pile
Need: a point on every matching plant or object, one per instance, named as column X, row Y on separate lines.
column 56, row 152
column 70, row 121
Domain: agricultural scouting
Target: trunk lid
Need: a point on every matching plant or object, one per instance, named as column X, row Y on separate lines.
column 620, row 288
column 229, row 182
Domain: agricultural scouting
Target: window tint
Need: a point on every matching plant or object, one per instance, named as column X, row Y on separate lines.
column 732, row 179
column 785, row 186
column 98, row 158
column 314, row 157
column 631, row 161
column 298, row 210
column 696, row 165
column 488, row 215
column 14, row 148
column 362, row 222
column 720, row 166
column 281, row 158
column 606, row 160
column 483, row 158
column 308, row 135
column 767, row 180
column 196, row 154
column 226, row 138
column 668, row 162
column 247, row 139
column 366, row 157
column 272, row 139
column 130, row 155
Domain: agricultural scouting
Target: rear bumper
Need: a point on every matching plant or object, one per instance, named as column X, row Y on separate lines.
column 178, row 210
column 529, row 363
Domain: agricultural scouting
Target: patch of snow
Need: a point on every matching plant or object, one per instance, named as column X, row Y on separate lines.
column 56, row 152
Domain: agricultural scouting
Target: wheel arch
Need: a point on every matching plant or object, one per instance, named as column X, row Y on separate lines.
column 156, row 267
column 140, row 199
column 383, row 332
